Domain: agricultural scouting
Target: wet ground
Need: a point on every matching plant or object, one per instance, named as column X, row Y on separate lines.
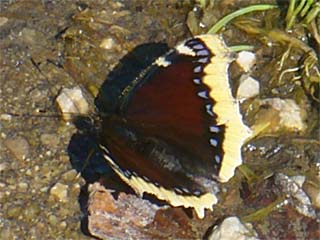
column 39, row 188
column 48, row 45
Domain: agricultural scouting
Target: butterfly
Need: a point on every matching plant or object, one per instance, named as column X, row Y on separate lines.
column 175, row 131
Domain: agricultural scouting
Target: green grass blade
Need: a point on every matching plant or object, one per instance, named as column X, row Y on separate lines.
column 238, row 48
column 222, row 22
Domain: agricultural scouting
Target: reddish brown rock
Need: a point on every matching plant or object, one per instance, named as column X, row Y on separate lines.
column 131, row 216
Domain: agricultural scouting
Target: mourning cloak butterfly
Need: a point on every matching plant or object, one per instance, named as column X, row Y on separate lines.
column 176, row 131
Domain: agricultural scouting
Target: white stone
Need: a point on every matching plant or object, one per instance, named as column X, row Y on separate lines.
column 232, row 228
column 72, row 102
column 291, row 186
column 60, row 191
column 291, row 115
column 107, row 43
column 299, row 180
column 246, row 60
column 6, row 117
column 248, row 88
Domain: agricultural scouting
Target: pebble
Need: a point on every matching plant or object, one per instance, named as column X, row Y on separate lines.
column 63, row 224
column 28, row 172
column 44, row 189
column 3, row 21
column 36, row 168
column 299, row 180
column 246, row 60
column 292, row 187
column 107, row 43
column 4, row 166
column 53, row 220
column 23, row 186
column 18, row 146
column 290, row 114
column 60, row 191
column 248, row 88
column 232, row 228
column 6, row 117
column 72, row 102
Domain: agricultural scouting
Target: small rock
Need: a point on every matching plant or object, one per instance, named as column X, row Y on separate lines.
column 296, row 195
column 108, row 216
column 291, row 115
column 44, row 189
column 53, row 220
column 284, row 114
column 5, row 117
column 23, row 187
column 299, row 180
column 18, row 146
column 3, row 21
column 60, row 191
column 63, row 225
column 248, row 88
column 246, row 60
column 107, row 43
column 232, row 228
column 4, row 166
column 72, row 102
column 29, row 172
